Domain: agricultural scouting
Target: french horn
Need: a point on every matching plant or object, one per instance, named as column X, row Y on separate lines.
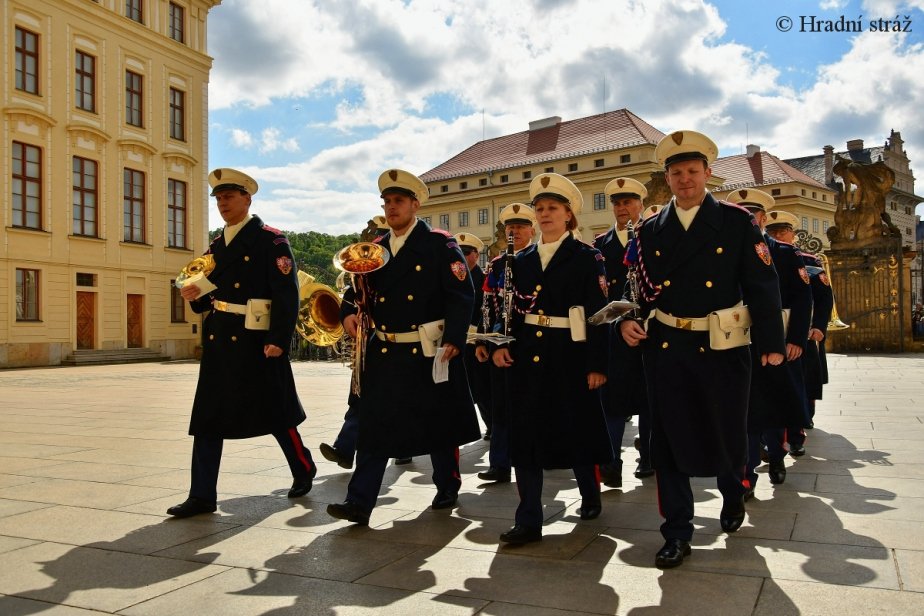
column 200, row 265
column 318, row 313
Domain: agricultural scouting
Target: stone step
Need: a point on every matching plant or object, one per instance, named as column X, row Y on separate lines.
column 87, row 357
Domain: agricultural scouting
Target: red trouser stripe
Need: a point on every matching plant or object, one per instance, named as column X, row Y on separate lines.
column 745, row 482
column 597, row 474
column 297, row 441
column 455, row 473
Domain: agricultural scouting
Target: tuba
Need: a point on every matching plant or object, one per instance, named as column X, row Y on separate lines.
column 357, row 260
column 834, row 323
column 318, row 313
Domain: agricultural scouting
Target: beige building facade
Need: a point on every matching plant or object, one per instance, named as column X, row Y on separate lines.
column 105, row 120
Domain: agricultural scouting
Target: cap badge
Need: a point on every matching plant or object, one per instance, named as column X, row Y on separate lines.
column 743, row 193
column 736, row 317
column 677, row 137
column 217, row 174
column 545, row 181
column 462, row 236
column 516, row 209
column 393, row 175
column 459, row 269
column 620, row 182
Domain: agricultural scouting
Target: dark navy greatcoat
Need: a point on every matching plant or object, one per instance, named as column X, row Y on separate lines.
column 778, row 392
column 555, row 420
column 493, row 289
column 478, row 372
column 814, row 364
column 624, row 393
column 699, row 397
column 241, row 392
column 402, row 412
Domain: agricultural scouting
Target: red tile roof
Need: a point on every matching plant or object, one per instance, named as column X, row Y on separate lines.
column 598, row 133
column 763, row 168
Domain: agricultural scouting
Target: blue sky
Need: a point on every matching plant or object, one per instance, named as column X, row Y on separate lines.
column 315, row 100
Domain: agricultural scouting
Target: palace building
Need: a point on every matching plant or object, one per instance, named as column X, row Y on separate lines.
column 105, row 141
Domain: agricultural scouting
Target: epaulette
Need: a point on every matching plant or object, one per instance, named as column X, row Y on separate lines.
column 447, row 234
column 272, row 230
column 736, row 206
column 378, row 239
column 217, row 237
column 586, row 244
column 597, row 237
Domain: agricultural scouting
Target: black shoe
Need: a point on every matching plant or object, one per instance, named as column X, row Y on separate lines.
column 611, row 475
column 764, row 456
column 335, row 455
column 810, row 425
column 349, row 511
column 444, row 500
column 403, row 461
column 192, row 506
column 749, row 494
column 732, row 516
column 499, row 475
column 643, row 470
column 777, row 473
column 796, row 451
column 487, row 434
column 519, row 534
column 671, row 555
column 590, row 510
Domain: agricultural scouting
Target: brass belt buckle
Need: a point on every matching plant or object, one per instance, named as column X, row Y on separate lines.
column 685, row 324
column 543, row 321
column 391, row 338
column 222, row 306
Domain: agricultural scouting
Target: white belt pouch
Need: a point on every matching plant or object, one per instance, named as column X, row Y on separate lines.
column 257, row 315
column 578, row 324
column 729, row 328
column 431, row 337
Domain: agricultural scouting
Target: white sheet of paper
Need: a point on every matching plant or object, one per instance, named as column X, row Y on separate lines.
column 205, row 285
column 440, row 367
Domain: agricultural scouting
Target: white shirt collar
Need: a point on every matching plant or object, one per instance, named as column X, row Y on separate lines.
column 232, row 230
column 548, row 250
column 395, row 242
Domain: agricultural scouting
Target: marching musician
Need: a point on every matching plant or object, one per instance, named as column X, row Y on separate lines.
column 557, row 361
column 246, row 388
column 814, row 363
column 518, row 219
column 698, row 256
column 421, row 305
column 624, row 393
column 479, row 379
column 777, row 398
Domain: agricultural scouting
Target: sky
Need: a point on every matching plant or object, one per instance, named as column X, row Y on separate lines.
column 316, row 99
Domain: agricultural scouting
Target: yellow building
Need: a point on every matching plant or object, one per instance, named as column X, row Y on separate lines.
column 104, row 173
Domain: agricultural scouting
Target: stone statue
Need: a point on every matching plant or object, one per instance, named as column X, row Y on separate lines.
column 860, row 217
column 369, row 233
column 500, row 241
column 659, row 193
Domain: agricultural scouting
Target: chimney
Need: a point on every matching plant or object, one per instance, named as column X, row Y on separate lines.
column 829, row 164
column 544, row 123
column 855, row 144
column 752, row 150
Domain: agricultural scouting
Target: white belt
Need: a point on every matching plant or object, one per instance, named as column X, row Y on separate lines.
column 544, row 321
column 226, row 307
column 694, row 325
column 404, row 337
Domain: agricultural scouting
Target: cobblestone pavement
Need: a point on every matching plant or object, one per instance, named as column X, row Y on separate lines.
column 91, row 457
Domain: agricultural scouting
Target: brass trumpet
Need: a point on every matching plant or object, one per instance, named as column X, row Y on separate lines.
column 358, row 260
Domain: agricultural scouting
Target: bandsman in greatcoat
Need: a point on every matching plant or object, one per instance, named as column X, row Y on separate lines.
column 624, row 393
column 557, row 361
column 246, row 388
column 421, row 307
column 777, row 398
column 699, row 256
column 814, row 365
column 518, row 219
column 479, row 379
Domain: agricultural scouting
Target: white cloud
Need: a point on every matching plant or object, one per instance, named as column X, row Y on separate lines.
column 833, row 4
column 272, row 142
column 241, row 138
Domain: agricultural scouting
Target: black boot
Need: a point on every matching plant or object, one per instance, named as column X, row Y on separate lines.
column 671, row 555
column 192, row 506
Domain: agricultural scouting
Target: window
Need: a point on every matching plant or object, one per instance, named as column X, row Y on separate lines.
column 426, row 219
column 804, row 223
column 85, row 80
column 598, row 162
column 176, row 214
column 824, row 197
column 803, row 192
column 527, row 175
column 894, row 206
column 814, row 225
column 27, row 303
column 177, row 305
column 177, row 17
column 27, row 186
column 177, row 110
column 463, row 219
column 550, row 169
column 134, row 87
column 86, row 280
column 600, row 201
column 444, row 222
column 572, row 167
column 463, row 185
column 444, row 188
column 908, row 209
column 133, row 10
column 824, row 226
column 483, row 217
column 625, row 158
column 504, row 178
column 26, row 61
column 133, row 205
column 775, row 192
column 814, row 195
column 483, row 258
column 85, row 196
column 483, row 182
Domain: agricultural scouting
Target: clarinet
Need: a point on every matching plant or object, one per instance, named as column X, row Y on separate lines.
column 632, row 274
column 485, row 313
column 508, row 285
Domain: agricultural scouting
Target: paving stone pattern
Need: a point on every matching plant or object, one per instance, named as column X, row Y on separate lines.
column 91, row 457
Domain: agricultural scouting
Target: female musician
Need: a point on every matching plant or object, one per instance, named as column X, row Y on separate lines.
column 557, row 361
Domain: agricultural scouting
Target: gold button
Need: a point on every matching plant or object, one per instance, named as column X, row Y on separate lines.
column 237, row 285
column 718, row 250
column 604, row 258
column 384, row 350
column 381, row 299
column 413, row 327
column 246, row 258
column 702, row 350
column 538, row 334
column 414, row 351
column 657, row 253
column 664, row 346
column 709, row 283
column 417, row 268
column 536, row 358
column 410, row 298
column 541, row 312
column 233, row 338
column 382, row 327
column 667, row 283
column 538, row 287
column 212, row 337
column 614, row 281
